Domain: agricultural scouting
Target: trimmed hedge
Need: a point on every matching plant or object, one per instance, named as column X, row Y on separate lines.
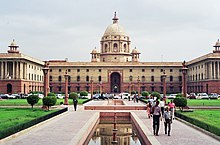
column 198, row 123
column 14, row 129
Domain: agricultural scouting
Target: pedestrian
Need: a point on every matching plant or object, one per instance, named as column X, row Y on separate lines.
column 156, row 118
column 129, row 97
column 75, row 102
column 167, row 120
column 171, row 108
column 134, row 98
column 162, row 105
column 137, row 98
column 149, row 109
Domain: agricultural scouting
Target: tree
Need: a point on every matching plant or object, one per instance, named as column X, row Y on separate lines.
column 83, row 93
column 49, row 101
column 145, row 93
column 156, row 94
column 180, row 102
column 73, row 96
column 32, row 99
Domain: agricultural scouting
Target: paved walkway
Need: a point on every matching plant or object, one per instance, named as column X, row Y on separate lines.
column 66, row 128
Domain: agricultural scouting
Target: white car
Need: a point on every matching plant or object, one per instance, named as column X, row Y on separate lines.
column 202, row 96
column 60, row 96
column 171, row 96
column 124, row 95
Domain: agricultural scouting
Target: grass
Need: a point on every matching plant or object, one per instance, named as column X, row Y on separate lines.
column 13, row 116
column 194, row 102
column 211, row 117
column 23, row 102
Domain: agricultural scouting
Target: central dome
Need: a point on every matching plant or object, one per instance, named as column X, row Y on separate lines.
column 115, row 28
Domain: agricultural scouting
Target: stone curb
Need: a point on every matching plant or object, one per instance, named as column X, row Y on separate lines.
column 199, row 129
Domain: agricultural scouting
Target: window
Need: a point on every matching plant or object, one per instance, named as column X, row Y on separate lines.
column 161, row 70
column 69, row 78
column 130, row 70
column 51, row 78
column 100, row 70
column 180, row 70
column 143, row 78
column 152, row 88
column 59, row 88
column 171, row 88
column 29, row 76
column 161, row 88
column 130, row 78
column 152, row 78
column 152, row 70
column 69, row 70
column 171, row 78
column 78, row 70
column 78, row 88
column 78, row 78
column 87, row 78
column 60, row 70
column 59, row 78
column 100, row 78
column 87, row 70
column 161, row 78
column 180, row 78
column 50, row 70
column 143, row 70
column 69, row 88
column 171, row 70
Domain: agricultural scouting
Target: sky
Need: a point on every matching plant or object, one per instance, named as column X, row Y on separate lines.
column 162, row 30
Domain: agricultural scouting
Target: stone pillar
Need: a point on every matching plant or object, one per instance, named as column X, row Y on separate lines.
column 46, row 80
column 13, row 70
column 217, row 68
column 100, row 87
column 164, row 75
column 184, row 81
column 66, row 88
column 91, row 81
column 2, row 70
column 6, row 70
column 138, row 81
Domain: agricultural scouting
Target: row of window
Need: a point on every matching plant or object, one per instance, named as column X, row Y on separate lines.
column 35, row 77
column 69, row 70
column 196, row 77
column 77, row 78
column 34, row 67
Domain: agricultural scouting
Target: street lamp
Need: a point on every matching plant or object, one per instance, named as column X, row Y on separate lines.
column 184, row 84
column 46, row 80
column 91, row 82
column 66, row 88
column 164, row 75
column 100, row 87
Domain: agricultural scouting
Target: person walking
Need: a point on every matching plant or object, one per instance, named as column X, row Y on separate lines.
column 162, row 105
column 156, row 118
column 167, row 120
column 149, row 107
column 75, row 102
column 172, row 107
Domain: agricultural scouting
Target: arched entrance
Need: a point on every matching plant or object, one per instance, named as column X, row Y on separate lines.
column 115, row 82
column 9, row 88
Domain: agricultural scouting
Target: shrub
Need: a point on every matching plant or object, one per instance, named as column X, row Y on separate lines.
column 180, row 102
column 83, row 93
column 145, row 93
column 156, row 94
column 179, row 95
column 134, row 92
column 51, row 94
column 32, row 99
column 49, row 101
column 73, row 95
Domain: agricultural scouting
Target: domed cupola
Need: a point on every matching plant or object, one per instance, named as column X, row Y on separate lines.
column 115, row 43
column 13, row 47
column 135, row 55
column 95, row 55
column 217, row 47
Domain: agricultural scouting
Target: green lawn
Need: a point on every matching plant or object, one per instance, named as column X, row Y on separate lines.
column 23, row 102
column 211, row 117
column 194, row 102
column 13, row 116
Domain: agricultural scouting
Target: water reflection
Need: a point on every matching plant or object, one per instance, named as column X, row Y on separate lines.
column 103, row 134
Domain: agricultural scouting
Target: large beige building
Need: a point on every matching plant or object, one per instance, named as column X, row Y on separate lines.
column 114, row 68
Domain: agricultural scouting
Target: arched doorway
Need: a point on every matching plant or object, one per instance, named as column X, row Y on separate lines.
column 115, row 82
column 9, row 88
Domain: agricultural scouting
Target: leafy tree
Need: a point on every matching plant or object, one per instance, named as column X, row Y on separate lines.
column 83, row 93
column 145, row 93
column 180, row 102
column 32, row 99
column 156, row 94
column 73, row 96
column 49, row 101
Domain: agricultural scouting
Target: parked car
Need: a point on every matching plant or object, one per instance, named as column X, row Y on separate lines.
column 117, row 97
column 60, row 96
column 171, row 96
column 3, row 96
column 202, row 96
column 192, row 96
column 124, row 95
column 213, row 96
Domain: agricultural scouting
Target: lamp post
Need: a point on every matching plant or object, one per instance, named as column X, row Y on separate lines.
column 164, row 75
column 184, row 84
column 100, row 87
column 91, row 82
column 66, row 88
column 46, row 80
column 138, row 81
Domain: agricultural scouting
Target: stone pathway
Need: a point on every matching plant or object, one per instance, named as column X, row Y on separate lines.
column 69, row 127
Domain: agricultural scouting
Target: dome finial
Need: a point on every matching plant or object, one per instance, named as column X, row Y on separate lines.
column 115, row 19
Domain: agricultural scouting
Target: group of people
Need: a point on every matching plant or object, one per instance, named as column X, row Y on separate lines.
column 159, row 109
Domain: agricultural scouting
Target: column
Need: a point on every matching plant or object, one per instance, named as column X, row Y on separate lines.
column 13, row 69
column 164, row 84
column 6, row 69
column 138, row 81
column 210, row 70
column 2, row 70
column 91, row 81
column 217, row 68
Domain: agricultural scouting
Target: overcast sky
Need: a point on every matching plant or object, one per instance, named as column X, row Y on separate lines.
column 162, row 30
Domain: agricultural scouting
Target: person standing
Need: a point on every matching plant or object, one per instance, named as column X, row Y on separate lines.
column 167, row 120
column 162, row 105
column 75, row 102
column 149, row 106
column 156, row 118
